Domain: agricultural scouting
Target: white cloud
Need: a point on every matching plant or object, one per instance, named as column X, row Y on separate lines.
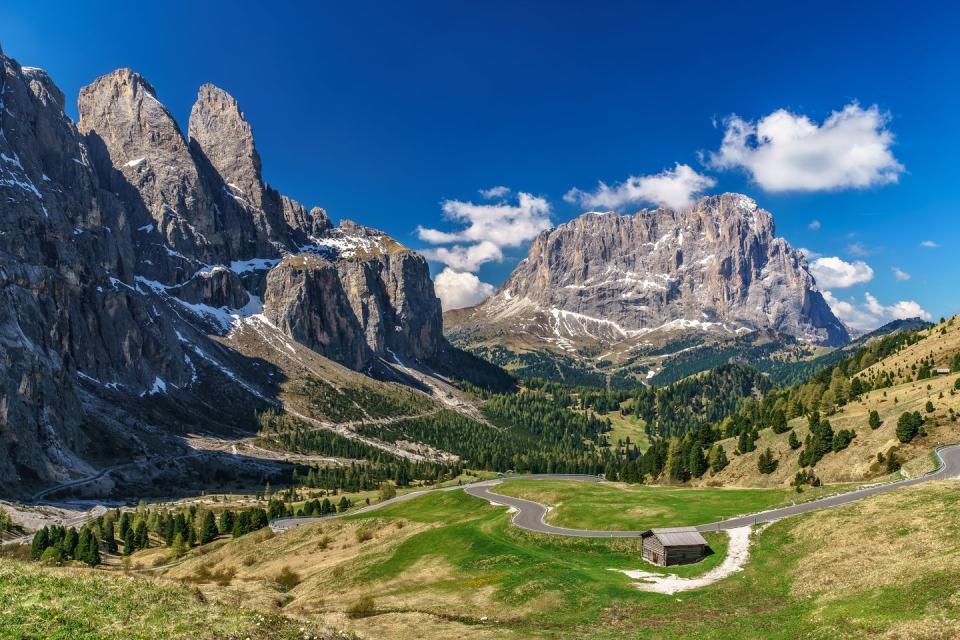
column 814, row 225
column 900, row 274
column 494, row 192
column 930, row 244
column 503, row 224
column 457, row 289
column 871, row 313
column 810, row 254
column 834, row 273
column 674, row 188
column 466, row 258
column 789, row 152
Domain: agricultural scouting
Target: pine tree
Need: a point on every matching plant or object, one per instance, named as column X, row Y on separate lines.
column 128, row 543
column 226, row 522
column 929, row 407
column 779, row 422
column 124, row 524
column 242, row 525
column 140, row 538
column 109, row 540
column 875, row 419
column 69, row 544
column 794, row 441
column 718, row 459
column 697, row 461
column 208, row 528
column 41, row 540
column 83, row 546
column 179, row 546
column 766, row 463
column 908, row 426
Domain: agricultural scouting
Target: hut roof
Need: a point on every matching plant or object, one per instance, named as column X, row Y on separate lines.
column 676, row 536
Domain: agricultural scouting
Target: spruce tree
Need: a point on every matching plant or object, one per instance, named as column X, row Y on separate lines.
column 794, row 441
column 109, row 540
column 766, row 463
column 908, row 426
column 226, row 522
column 69, row 544
column 697, row 462
column 41, row 540
column 208, row 528
column 124, row 524
column 718, row 459
column 128, row 542
column 140, row 538
column 779, row 422
column 83, row 546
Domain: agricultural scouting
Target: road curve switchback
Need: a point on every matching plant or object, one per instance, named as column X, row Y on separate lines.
column 530, row 515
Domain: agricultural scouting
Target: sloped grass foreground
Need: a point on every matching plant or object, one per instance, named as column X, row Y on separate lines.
column 886, row 567
column 74, row 604
column 450, row 565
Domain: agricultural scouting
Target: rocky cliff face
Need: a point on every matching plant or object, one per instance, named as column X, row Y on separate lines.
column 602, row 279
column 127, row 249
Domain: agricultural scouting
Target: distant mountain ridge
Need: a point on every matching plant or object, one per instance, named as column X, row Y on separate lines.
column 611, row 286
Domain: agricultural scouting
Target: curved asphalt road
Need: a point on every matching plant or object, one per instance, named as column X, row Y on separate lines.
column 530, row 515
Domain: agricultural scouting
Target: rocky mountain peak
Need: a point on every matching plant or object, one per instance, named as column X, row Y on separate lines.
column 225, row 138
column 715, row 266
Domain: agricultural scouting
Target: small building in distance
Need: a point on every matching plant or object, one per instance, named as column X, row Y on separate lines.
column 942, row 371
column 675, row 545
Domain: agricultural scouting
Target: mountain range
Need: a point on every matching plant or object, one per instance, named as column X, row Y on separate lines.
column 153, row 285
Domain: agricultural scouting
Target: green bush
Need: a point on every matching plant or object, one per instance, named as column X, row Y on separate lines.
column 362, row 608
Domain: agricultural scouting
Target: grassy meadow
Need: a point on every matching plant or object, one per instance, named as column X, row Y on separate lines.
column 581, row 505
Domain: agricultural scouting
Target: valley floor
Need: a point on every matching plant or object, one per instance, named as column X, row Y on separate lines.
column 449, row 565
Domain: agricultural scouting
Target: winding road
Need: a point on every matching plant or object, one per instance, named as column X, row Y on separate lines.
column 530, row 515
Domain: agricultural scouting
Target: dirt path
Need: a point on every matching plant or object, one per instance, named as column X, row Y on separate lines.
column 738, row 552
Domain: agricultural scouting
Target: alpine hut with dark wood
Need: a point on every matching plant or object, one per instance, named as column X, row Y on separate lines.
column 677, row 545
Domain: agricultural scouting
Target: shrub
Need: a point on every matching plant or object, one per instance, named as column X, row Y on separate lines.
column 364, row 534
column 51, row 555
column 287, row 579
column 362, row 608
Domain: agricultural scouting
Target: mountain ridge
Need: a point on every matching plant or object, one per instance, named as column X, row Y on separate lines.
column 606, row 286
column 129, row 255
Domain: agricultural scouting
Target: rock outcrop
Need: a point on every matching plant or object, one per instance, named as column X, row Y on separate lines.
column 128, row 250
column 715, row 267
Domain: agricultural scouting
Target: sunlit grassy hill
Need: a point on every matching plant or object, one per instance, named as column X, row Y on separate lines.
column 449, row 565
column 938, row 347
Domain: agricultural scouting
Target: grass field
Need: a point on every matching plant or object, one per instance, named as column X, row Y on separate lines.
column 450, row 565
column 73, row 604
column 581, row 505
column 624, row 427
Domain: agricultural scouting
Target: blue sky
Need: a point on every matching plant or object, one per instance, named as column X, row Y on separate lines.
column 381, row 113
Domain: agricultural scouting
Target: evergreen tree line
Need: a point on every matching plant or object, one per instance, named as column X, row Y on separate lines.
column 56, row 544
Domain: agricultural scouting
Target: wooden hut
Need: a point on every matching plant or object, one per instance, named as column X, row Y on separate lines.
column 676, row 545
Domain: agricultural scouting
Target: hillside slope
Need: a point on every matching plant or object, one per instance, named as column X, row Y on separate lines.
column 938, row 346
